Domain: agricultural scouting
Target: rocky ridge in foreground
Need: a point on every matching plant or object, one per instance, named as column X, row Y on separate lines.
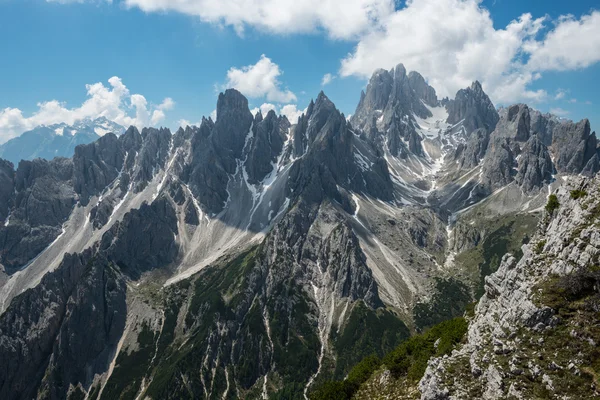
column 535, row 333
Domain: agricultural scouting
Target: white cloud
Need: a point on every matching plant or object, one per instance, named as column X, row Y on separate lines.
column 264, row 109
column 259, row 80
column 291, row 112
column 560, row 94
column 327, row 78
column 159, row 114
column 114, row 102
column 454, row 42
column 572, row 101
column 572, row 44
column 559, row 112
column 338, row 21
column 184, row 123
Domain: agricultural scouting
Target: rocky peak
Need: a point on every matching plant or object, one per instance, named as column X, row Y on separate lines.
column 574, row 146
column 498, row 168
column 131, row 140
column 543, row 125
column 390, row 107
column 472, row 106
column 535, row 166
column 399, row 72
column 153, row 155
column 469, row 154
column 95, row 165
column 269, row 135
column 233, row 124
column 329, row 162
column 515, row 123
column 258, row 117
column 422, row 89
column 311, row 123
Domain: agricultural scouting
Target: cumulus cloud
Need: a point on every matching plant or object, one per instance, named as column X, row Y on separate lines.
column 114, row 102
column 572, row 44
column 450, row 42
column 560, row 94
column 264, row 109
column 327, row 78
column 259, row 80
column 453, row 42
column 280, row 16
column 159, row 114
column 291, row 111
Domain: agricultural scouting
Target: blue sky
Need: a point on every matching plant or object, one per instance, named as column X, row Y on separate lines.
column 163, row 49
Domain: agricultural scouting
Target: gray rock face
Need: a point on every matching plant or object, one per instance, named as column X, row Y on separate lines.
column 330, row 162
column 44, row 192
column 474, row 108
column 100, row 214
column 153, row 155
column 574, row 146
column 422, row 89
column 498, row 168
column 144, row 240
column 535, row 166
column 342, row 259
column 95, row 165
column 389, row 107
column 207, row 174
column 7, row 188
column 514, row 124
column 309, row 125
column 131, row 140
column 269, row 135
column 43, row 200
column 41, row 333
column 217, row 150
column 543, row 125
column 470, row 154
column 97, row 306
column 510, row 318
column 234, row 120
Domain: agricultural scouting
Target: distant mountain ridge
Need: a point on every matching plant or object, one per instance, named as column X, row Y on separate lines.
column 58, row 140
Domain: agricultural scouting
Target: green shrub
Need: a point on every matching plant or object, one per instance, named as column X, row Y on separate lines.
column 577, row 194
column 344, row 390
column 552, row 204
column 410, row 358
column 539, row 247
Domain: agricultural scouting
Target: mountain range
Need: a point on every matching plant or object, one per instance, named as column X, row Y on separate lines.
column 256, row 257
column 58, row 140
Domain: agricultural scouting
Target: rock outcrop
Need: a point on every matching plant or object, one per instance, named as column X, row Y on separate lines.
column 575, row 147
column 388, row 108
column 535, row 166
column 61, row 332
column 520, row 343
column 474, row 108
